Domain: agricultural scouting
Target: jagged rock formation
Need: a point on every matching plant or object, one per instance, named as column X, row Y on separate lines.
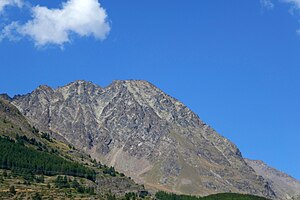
column 285, row 186
column 144, row 133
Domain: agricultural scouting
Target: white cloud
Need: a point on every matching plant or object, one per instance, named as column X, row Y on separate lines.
column 295, row 6
column 268, row 4
column 5, row 3
column 55, row 26
column 9, row 32
column 296, row 3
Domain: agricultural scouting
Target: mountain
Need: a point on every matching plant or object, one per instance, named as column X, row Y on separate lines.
column 32, row 161
column 12, row 122
column 144, row 133
column 285, row 186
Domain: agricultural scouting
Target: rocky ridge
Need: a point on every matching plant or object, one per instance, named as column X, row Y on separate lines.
column 285, row 186
column 144, row 133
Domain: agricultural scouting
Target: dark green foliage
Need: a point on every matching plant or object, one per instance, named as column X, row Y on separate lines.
column 35, row 130
column 12, row 189
column 37, row 196
column 46, row 136
column 143, row 194
column 109, row 170
column 130, row 196
column 23, row 139
column 225, row 196
column 40, row 179
column 28, row 161
column 229, row 196
column 5, row 173
column 62, row 182
column 90, row 190
column 80, row 189
column 111, row 197
column 53, row 151
column 75, row 184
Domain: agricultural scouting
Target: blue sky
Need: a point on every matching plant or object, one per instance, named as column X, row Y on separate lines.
column 235, row 63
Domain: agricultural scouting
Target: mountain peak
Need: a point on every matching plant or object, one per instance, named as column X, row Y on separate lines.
column 145, row 134
column 44, row 87
column 79, row 83
column 5, row 97
column 130, row 82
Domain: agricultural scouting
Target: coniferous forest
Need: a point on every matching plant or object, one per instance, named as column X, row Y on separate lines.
column 225, row 196
column 26, row 160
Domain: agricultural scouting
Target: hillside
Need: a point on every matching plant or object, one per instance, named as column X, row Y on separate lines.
column 35, row 164
column 144, row 133
column 285, row 186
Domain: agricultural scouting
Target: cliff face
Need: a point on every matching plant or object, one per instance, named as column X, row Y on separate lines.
column 285, row 186
column 144, row 133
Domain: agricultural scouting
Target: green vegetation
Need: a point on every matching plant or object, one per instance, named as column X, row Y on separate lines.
column 12, row 190
column 37, row 196
column 225, row 196
column 25, row 160
column 47, row 137
column 33, row 165
column 24, row 139
column 64, row 182
column 109, row 170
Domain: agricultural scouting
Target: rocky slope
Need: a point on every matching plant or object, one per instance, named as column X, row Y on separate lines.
column 14, row 125
column 285, row 186
column 144, row 133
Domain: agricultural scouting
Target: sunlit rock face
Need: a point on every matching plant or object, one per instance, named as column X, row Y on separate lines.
column 284, row 186
column 144, row 133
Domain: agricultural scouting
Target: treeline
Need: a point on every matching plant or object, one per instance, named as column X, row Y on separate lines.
column 17, row 157
column 170, row 196
column 224, row 196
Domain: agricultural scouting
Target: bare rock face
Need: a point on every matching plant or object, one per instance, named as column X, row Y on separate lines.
column 285, row 186
column 144, row 133
column 5, row 97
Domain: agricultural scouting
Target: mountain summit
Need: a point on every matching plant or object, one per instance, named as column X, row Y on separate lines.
column 146, row 134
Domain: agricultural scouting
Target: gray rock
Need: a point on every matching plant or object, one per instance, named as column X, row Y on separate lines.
column 284, row 186
column 144, row 133
column 5, row 97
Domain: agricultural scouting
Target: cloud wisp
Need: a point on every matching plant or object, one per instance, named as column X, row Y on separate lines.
column 296, row 3
column 267, row 4
column 5, row 3
column 295, row 6
column 83, row 18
